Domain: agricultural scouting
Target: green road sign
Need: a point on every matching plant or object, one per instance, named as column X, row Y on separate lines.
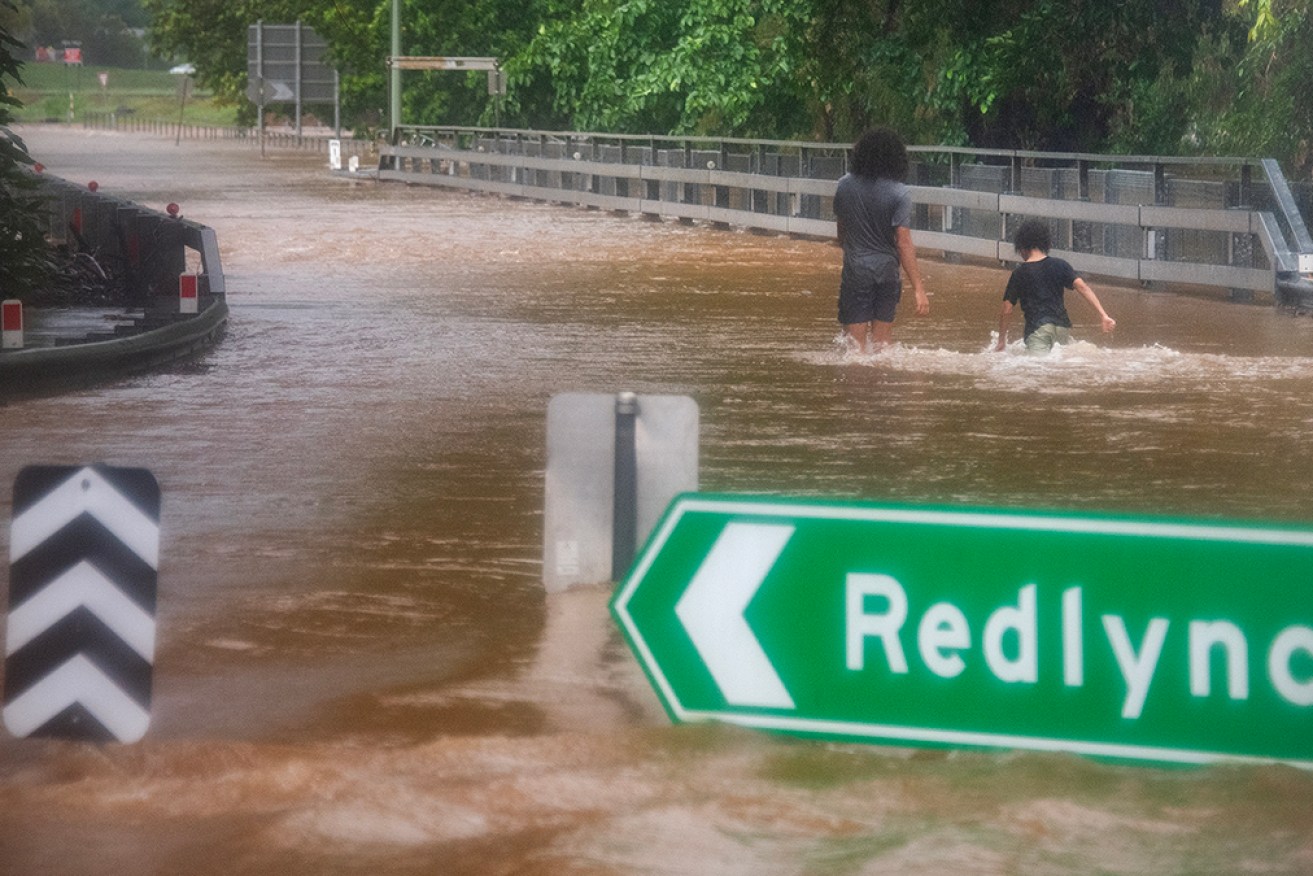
column 1145, row 639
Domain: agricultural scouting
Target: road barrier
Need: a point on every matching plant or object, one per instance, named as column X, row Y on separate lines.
column 1229, row 223
column 145, row 251
column 366, row 149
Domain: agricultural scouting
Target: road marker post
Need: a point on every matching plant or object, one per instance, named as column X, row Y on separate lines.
column 614, row 462
column 188, row 289
column 11, row 324
column 80, row 632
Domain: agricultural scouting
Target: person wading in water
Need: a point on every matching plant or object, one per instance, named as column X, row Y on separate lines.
column 873, row 212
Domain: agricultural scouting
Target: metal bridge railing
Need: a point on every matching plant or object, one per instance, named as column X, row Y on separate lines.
column 1213, row 222
column 145, row 247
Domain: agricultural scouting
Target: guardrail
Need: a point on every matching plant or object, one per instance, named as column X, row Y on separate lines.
column 1228, row 223
column 146, row 252
column 251, row 135
column 146, row 248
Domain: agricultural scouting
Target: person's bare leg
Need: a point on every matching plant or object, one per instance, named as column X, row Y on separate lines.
column 882, row 334
column 858, row 332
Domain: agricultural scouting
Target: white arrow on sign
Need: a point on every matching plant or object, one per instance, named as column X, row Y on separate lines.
column 77, row 682
column 85, row 491
column 712, row 608
column 82, row 586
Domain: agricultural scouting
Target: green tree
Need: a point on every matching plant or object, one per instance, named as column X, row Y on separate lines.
column 1075, row 75
column 1042, row 74
column 725, row 67
column 1253, row 97
column 25, row 265
column 1050, row 74
column 103, row 28
column 211, row 34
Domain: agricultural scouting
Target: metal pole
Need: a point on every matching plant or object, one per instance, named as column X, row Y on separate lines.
column 394, row 94
column 182, row 108
column 259, row 67
column 625, row 503
column 299, row 111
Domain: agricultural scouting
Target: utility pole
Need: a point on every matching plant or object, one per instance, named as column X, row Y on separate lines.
column 394, row 104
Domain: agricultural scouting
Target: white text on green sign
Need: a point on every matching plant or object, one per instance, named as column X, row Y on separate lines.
column 1137, row 638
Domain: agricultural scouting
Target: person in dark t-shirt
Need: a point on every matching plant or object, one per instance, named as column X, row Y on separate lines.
column 873, row 215
column 1038, row 285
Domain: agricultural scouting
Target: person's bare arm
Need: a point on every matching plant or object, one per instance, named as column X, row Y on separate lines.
column 907, row 258
column 1088, row 294
column 1004, row 321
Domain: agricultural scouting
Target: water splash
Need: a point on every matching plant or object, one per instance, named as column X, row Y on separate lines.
column 1076, row 366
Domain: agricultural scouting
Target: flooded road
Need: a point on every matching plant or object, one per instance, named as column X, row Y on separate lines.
column 358, row 670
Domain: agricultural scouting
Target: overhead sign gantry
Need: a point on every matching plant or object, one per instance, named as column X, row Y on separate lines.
column 496, row 77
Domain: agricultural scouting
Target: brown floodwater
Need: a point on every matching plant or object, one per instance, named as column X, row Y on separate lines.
column 357, row 667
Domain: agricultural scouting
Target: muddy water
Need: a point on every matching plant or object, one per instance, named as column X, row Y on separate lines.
column 357, row 668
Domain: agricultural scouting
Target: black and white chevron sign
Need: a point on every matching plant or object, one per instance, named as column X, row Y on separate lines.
column 80, row 638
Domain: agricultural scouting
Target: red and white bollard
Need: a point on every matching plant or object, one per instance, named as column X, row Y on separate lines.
column 188, row 285
column 11, row 321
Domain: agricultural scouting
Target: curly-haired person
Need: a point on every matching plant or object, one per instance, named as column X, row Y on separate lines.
column 873, row 212
column 1038, row 285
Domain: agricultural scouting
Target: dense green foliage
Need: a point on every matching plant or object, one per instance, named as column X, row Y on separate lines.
column 24, row 257
column 1257, row 98
column 1134, row 76
column 1147, row 76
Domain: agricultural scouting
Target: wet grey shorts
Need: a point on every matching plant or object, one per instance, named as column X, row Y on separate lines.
column 1042, row 339
column 863, row 302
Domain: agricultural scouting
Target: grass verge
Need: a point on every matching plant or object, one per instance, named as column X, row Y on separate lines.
column 60, row 93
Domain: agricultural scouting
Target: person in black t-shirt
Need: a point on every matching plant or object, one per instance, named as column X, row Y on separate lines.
column 1038, row 285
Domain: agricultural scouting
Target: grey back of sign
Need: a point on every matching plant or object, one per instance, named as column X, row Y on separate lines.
column 580, row 518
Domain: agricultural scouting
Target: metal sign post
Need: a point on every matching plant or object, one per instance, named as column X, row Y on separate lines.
column 1138, row 639
column 614, row 462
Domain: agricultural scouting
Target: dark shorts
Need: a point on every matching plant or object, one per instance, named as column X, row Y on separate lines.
column 863, row 302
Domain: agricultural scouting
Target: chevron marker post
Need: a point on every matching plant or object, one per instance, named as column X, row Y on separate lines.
column 83, row 569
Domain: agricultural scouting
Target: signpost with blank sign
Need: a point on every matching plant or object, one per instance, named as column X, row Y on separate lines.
column 614, row 462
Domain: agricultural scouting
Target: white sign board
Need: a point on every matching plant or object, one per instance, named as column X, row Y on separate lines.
column 579, row 522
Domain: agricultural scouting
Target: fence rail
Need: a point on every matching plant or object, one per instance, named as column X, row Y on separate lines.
column 1229, row 223
column 149, row 249
column 1226, row 223
column 251, row 135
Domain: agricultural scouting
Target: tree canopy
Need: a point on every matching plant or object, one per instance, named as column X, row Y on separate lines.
column 107, row 31
column 24, row 259
column 1141, row 76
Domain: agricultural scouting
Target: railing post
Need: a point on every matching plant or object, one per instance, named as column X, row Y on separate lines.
column 951, row 220
column 1156, row 238
column 921, row 176
column 1240, row 247
column 688, row 192
column 1082, row 233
